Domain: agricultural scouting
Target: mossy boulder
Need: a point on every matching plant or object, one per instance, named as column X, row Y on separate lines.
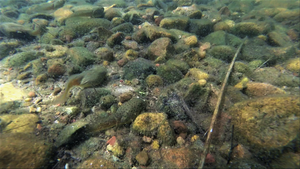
column 124, row 27
column 255, row 89
column 294, row 65
column 267, row 125
column 80, row 56
column 180, row 23
column 179, row 64
column 24, row 151
column 251, row 29
column 277, row 38
column 112, row 13
column 115, row 39
column 139, row 68
column 276, row 77
column 200, row 27
column 22, row 58
column 170, row 74
column 7, row 47
column 78, row 26
column 154, row 124
column 151, row 33
column 104, row 53
column 217, row 38
column 222, row 52
column 154, row 81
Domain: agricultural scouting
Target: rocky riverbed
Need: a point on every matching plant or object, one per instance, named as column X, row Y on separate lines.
column 134, row 83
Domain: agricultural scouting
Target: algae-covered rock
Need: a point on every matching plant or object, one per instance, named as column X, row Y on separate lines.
column 104, row 53
column 22, row 58
column 112, row 13
column 154, row 81
column 7, row 47
column 151, row 123
column 131, row 54
column 80, row 56
column 115, row 39
column 251, row 28
column 277, row 38
column 222, row 52
column 139, row 68
column 78, row 26
column 160, row 50
column 200, row 27
column 151, row 33
column 169, row 74
column 180, row 23
column 24, row 151
column 255, row 89
column 179, row 64
column 275, row 77
column 267, row 124
column 287, row 160
column 124, row 27
column 24, row 123
column 294, row 65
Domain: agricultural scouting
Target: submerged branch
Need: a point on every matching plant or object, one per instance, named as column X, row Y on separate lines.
column 218, row 107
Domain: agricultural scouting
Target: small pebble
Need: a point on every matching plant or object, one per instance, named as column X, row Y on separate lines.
column 180, row 140
column 28, row 99
column 147, row 139
column 31, row 94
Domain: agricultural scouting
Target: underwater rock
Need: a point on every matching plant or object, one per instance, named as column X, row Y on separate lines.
column 139, row 68
column 222, row 52
column 7, row 47
column 104, row 53
column 277, row 38
column 154, row 81
column 80, row 56
column 22, row 58
column 160, row 50
column 18, row 31
column 24, row 151
column 275, row 77
column 154, row 124
column 89, row 11
column 130, row 44
column 142, row 158
column 115, row 39
column 169, row 74
column 294, row 65
column 255, row 89
column 287, row 160
column 112, row 13
column 267, row 124
column 151, row 33
column 179, row 64
column 78, row 26
column 124, row 27
column 62, row 14
column 180, row 23
column 24, row 123
column 200, row 27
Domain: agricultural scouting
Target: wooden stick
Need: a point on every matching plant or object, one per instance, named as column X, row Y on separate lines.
column 218, row 106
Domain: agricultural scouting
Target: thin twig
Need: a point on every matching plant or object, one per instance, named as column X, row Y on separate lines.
column 218, row 106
